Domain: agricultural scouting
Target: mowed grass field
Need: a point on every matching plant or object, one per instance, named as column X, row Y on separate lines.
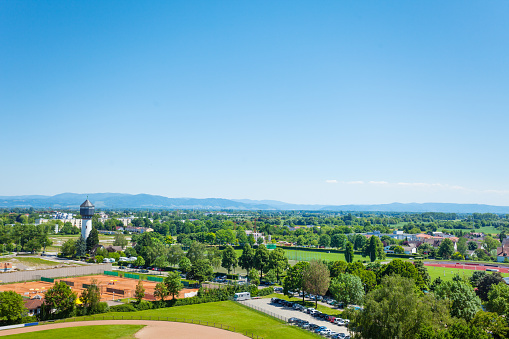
column 297, row 255
column 30, row 260
column 446, row 273
column 227, row 313
column 84, row 332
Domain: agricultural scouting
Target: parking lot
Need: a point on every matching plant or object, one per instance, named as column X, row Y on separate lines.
column 283, row 312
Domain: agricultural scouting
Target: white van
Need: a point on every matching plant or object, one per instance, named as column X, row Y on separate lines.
column 242, row 296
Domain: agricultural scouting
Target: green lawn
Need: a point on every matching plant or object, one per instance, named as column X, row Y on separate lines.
column 30, row 260
column 448, row 273
column 228, row 313
column 297, row 255
column 84, row 332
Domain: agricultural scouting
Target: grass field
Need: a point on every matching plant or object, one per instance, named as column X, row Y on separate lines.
column 84, row 332
column 227, row 313
column 30, row 260
column 449, row 273
column 297, row 255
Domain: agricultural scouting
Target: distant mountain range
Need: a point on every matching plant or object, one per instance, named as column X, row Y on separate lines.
column 147, row 201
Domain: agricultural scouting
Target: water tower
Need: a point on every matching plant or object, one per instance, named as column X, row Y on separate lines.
column 87, row 212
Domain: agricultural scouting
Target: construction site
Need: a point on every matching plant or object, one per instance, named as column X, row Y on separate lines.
column 111, row 287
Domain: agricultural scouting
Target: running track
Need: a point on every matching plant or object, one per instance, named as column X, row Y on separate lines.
column 473, row 267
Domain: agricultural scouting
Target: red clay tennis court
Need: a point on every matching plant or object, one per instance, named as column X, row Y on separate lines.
column 110, row 287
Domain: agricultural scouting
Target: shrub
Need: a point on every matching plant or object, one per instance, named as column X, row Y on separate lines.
column 144, row 305
column 265, row 291
column 123, row 308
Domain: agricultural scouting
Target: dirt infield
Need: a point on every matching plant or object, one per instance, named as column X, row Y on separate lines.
column 473, row 267
column 152, row 329
column 110, row 287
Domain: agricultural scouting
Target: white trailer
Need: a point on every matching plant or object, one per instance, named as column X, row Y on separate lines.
column 242, row 296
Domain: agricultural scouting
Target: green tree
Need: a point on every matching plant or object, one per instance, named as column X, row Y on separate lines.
column 324, row 240
column 174, row 254
column 252, row 275
column 259, row 241
column 201, row 270
column 316, row 279
column 81, row 247
column 229, row 259
column 261, row 259
column 68, row 248
column 395, row 310
column 423, row 272
column 374, row 249
column 120, row 240
column 490, row 243
column 91, row 297
column 293, row 281
column 185, row 264
column 92, row 240
column 446, row 248
column 246, row 260
column 139, row 292
column 472, row 245
column 484, row 285
column 161, row 262
column 271, row 276
column 349, row 252
column 196, row 251
column 139, row 261
column 12, row 307
column 215, row 256
column 463, row 301
column 161, row 291
column 347, row 288
column 498, row 299
column 173, row 284
column 338, row 240
column 462, row 246
column 403, row 268
column 491, row 323
column 278, row 262
column 60, row 298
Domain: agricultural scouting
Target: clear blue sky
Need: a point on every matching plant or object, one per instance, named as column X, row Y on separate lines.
column 332, row 102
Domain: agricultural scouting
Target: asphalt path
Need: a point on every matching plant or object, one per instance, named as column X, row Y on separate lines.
column 266, row 306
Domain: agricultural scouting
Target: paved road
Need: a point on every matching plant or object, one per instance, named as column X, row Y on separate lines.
column 266, row 306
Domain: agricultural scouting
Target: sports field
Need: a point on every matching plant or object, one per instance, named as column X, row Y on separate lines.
column 447, row 273
column 297, row 255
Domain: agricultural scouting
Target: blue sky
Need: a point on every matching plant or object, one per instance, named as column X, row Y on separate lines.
column 330, row 102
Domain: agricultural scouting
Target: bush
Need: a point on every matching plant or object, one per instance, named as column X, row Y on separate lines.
column 265, row 291
column 123, row 308
column 102, row 307
column 144, row 305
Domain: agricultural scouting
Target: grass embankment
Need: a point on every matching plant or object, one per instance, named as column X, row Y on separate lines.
column 307, row 303
column 228, row 313
column 84, row 332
